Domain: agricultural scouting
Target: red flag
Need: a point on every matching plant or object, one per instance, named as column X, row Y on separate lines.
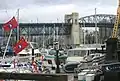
column 20, row 45
column 11, row 24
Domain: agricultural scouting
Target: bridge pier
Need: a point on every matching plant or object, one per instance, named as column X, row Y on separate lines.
column 73, row 18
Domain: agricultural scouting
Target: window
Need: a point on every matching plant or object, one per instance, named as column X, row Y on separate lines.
column 70, row 53
column 77, row 53
column 52, row 52
column 75, row 21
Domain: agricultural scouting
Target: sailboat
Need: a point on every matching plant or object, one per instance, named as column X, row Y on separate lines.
column 7, row 61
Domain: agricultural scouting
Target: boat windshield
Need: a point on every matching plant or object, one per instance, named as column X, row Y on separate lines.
column 53, row 52
column 33, row 44
column 44, row 51
column 72, row 53
column 97, row 51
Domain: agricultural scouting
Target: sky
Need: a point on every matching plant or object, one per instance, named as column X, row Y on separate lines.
column 51, row 11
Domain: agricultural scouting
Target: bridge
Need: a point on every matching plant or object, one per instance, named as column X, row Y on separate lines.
column 36, row 31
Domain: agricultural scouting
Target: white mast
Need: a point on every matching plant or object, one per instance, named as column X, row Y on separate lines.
column 96, row 38
column 49, row 36
column 18, row 35
column 54, row 35
column 43, row 36
column 84, row 33
column 18, row 32
column 57, row 30
column 63, row 43
column 7, row 43
column 57, row 34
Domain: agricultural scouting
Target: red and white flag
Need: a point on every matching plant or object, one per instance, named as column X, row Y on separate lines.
column 20, row 45
column 11, row 24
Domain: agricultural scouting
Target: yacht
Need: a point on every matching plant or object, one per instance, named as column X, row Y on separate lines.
column 84, row 54
column 28, row 52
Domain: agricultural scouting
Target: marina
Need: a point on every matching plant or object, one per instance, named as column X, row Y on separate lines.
column 52, row 60
column 77, row 49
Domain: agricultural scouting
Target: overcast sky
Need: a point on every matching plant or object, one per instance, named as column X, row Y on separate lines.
column 50, row 10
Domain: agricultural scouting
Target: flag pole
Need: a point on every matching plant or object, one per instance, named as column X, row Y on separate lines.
column 7, row 43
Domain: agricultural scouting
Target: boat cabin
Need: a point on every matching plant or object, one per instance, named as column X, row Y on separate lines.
column 77, row 54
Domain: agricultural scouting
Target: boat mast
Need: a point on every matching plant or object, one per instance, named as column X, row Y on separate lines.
column 84, row 33
column 57, row 30
column 7, row 43
column 54, row 35
column 18, row 36
column 57, row 34
column 18, row 32
column 96, row 38
column 43, row 36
